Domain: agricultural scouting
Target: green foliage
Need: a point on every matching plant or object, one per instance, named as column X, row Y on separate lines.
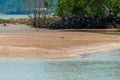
column 66, row 8
column 49, row 4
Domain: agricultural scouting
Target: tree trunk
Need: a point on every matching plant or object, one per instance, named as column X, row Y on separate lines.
column 35, row 18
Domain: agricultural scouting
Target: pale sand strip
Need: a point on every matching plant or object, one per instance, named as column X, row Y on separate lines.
column 21, row 53
column 23, row 42
column 78, row 51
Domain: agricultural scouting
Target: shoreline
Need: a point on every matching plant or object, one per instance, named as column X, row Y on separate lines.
column 71, row 53
column 91, row 49
column 23, row 42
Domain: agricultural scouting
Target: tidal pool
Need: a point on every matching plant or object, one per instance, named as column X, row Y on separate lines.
column 99, row 66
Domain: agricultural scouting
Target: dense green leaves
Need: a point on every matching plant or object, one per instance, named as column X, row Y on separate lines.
column 66, row 8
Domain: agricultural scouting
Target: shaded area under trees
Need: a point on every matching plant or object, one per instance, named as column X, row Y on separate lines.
column 86, row 23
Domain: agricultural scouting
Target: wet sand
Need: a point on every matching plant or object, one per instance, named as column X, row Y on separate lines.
column 23, row 42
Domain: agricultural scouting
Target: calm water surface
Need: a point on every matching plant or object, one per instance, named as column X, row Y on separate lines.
column 101, row 66
column 15, row 16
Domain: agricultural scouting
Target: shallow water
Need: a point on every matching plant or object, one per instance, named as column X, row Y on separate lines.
column 101, row 66
column 18, row 16
column 15, row 16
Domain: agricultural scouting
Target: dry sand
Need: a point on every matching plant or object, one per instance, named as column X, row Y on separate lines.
column 22, row 42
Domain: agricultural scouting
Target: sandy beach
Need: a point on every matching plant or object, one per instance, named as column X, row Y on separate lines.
column 23, row 42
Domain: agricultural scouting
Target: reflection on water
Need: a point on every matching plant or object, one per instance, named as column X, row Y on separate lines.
column 102, row 66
